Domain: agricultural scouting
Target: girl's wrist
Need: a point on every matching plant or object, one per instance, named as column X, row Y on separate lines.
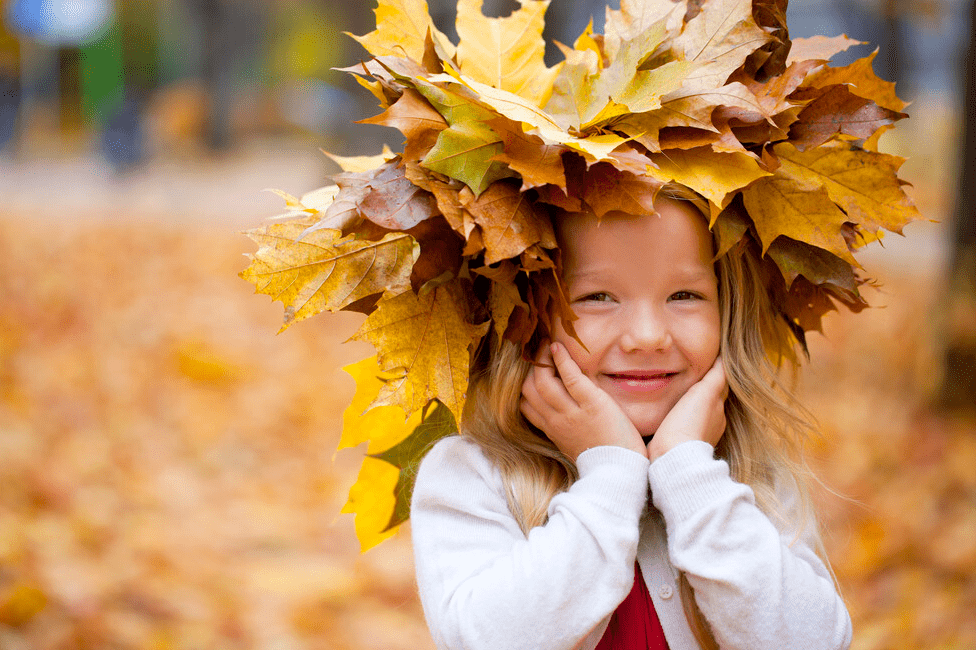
column 655, row 451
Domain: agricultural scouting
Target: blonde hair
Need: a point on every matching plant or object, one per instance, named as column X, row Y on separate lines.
column 765, row 424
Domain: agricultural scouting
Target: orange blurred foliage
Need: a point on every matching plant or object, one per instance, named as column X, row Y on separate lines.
column 169, row 480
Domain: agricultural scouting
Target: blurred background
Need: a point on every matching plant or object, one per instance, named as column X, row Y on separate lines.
column 168, row 475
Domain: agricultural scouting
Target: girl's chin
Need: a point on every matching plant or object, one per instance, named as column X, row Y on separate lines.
column 645, row 423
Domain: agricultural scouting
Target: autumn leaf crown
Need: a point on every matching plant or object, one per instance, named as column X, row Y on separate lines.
column 452, row 236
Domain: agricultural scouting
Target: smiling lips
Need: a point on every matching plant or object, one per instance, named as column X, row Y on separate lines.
column 641, row 380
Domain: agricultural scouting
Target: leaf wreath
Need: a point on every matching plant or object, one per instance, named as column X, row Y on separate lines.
column 451, row 238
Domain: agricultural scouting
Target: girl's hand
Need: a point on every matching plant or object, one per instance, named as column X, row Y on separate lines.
column 571, row 410
column 698, row 415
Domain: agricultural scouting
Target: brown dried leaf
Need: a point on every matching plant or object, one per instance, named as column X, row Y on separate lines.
column 416, row 119
column 535, row 161
column 607, row 189
column 393, row 202
column 503, row 294
column 730, row 226
column 796, row 258
column 819, row 48
column 509, row 222
column 839, row 112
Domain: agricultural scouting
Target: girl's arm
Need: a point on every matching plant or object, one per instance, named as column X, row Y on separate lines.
column 757, row 587
column 484, row 584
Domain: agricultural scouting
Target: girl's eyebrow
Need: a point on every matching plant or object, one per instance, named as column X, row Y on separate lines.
column 696, row 273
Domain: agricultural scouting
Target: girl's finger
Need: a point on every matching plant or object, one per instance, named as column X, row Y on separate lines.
column 575, row 382
column 715, row 378
column 544, row 388
column 532, row 414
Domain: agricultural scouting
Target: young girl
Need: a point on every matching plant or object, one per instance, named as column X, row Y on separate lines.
column 627, row 473
column 657, row 436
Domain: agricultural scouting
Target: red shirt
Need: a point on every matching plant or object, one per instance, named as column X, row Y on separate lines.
column 634, row 625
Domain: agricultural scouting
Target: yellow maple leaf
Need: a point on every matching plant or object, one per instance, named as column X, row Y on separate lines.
column 864, row 183
column 862, row 80
column 360, row 163
column 779, row 206
column 425, row 342
column 372, row 498
column 315, row 271
column 634, row 18
column 382, row 426
column 716, row 176
column 506, row 53
column 401, row 30
column 721, row 38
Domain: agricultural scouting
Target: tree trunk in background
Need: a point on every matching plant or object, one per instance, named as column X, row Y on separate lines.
column 958, row 390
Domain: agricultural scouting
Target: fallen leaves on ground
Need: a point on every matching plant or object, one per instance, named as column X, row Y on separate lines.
column 170, row 481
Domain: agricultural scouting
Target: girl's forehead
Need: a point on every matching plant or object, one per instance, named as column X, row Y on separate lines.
column 678, row 231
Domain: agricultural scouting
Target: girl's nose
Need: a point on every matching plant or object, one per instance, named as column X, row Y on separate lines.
column 644, row 328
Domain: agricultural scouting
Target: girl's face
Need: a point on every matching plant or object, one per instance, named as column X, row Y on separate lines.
column 646, row 295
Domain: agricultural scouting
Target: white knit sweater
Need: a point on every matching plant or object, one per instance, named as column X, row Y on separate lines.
column 486, row 585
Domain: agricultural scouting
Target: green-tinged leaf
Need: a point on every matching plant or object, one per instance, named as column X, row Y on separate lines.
column 572, row 91
column 467, row 152
column 644, row 92
column 406, row 456
column 324, row 271
column 511, row 106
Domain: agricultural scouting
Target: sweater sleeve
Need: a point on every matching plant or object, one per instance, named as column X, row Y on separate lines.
column 484, row 584
column 758, row 587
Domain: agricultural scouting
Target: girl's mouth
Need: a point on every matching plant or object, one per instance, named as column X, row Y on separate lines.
column 641, row 381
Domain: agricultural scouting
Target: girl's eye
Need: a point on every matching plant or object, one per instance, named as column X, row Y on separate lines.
column 599, row 296
column 683, row 295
